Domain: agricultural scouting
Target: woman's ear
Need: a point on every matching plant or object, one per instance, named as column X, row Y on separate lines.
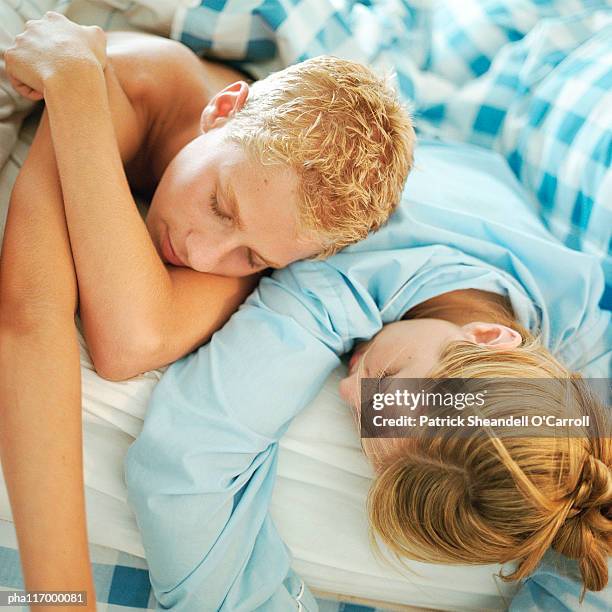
column 224, row 105
column 493, row 336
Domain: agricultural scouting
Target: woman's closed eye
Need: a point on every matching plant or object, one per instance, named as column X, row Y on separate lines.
column 385, row 373
column 380, row 374
column 384, row 378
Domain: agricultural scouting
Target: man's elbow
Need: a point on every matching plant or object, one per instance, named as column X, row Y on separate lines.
column 113, row 373
column 124, row 360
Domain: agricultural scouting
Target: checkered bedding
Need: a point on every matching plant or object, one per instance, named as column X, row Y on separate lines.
column 122, row 582
column 531, row 79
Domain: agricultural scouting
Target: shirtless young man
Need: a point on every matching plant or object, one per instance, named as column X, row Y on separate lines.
column 334, row 149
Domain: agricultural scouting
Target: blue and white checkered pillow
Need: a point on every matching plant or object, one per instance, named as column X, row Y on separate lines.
column 545, row 103
column 122, row 582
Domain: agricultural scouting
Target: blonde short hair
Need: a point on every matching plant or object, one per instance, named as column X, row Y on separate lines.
column 493, row 499
column 345, row 133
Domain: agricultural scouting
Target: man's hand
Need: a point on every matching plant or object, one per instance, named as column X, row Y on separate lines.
column 48, row 47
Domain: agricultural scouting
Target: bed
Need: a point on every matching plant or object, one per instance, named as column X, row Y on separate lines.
column 318, row 504
column 323, row 478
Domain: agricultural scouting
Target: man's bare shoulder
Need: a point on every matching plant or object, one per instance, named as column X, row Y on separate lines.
column 151, row 68
column 162, row 71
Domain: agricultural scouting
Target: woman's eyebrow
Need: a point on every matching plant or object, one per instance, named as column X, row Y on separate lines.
column 234, row 210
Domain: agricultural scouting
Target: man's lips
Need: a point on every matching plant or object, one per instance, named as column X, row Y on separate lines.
column 169, row 253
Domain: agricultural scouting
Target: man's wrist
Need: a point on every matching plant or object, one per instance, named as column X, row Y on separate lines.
column 79, row 70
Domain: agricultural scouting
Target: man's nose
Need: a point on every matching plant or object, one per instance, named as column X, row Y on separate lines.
column 206, row 253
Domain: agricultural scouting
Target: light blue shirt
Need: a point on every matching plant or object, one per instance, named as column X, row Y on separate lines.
column 201, row 474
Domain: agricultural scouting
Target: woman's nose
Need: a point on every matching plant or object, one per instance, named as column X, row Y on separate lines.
column 347, row 388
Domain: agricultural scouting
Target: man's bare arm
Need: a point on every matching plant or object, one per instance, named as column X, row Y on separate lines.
column 137, row 313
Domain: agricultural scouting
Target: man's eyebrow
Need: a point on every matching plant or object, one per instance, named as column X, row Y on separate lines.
column 232, row 205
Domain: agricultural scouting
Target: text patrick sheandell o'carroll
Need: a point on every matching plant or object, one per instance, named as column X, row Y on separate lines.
column 401, row 407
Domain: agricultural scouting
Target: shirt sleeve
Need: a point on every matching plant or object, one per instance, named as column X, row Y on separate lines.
column 201, row 473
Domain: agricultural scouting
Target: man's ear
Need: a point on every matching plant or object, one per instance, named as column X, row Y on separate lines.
column 493, row 336
column 224, row 105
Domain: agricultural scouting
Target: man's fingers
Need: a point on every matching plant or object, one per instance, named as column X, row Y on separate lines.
column 35, row 96
column 24, row 90
column 14, row 82
column 54, row 15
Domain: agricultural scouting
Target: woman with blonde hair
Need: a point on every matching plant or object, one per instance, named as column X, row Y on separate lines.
column 469, row 498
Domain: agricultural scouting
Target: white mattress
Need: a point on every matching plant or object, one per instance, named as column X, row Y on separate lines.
column 318, row 503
